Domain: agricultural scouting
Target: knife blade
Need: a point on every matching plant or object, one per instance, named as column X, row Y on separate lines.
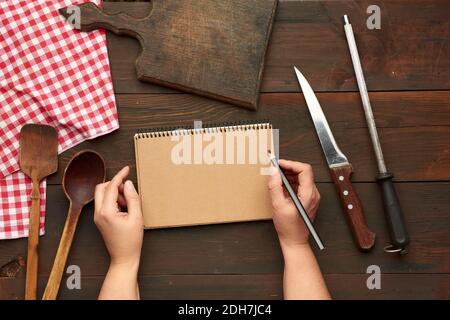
column 340, row 169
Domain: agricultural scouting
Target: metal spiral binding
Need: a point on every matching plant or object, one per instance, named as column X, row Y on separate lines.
column 206, row 128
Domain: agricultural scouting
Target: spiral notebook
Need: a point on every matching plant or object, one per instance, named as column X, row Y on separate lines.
column 204, row 175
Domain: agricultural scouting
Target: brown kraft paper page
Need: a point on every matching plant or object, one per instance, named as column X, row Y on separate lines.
column 175, row 193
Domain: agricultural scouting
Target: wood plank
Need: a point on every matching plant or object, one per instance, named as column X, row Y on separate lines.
column 410, row 52
column 260, row 287
column 252, row 248
column 413, row 126
column 243, row 260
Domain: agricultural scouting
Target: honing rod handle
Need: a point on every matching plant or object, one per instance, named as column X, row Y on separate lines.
column 394, row 215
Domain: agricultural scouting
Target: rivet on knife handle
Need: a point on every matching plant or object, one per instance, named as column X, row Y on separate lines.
column 363, row 236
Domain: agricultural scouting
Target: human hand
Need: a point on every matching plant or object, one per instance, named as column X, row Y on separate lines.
column 290, row 227
column 122, row 231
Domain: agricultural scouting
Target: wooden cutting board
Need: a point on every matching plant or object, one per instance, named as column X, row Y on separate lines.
column 214, row 48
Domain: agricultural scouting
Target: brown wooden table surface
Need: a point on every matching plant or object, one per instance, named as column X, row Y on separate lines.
column 407, row 67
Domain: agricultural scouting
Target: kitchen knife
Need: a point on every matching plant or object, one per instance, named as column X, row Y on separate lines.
column 340, row 170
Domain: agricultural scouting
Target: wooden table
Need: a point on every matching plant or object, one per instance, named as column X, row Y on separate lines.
column 407, row 67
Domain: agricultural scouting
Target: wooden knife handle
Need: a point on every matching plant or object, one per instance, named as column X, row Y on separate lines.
column 92, row 18
column 33, row 243
column 54, row 281
column 363, row 236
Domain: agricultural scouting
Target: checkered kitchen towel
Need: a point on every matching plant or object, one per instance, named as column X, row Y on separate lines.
column 49, row 74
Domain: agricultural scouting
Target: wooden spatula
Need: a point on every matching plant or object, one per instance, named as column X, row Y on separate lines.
column 38, row 159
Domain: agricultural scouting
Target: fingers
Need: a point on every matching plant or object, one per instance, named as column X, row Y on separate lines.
column 314, row 202
column 307, row 190
column 304, row 172
column 276, row 190
column 132, row 199
column 111, row 195
column 117, row 180
column 317, row 199
column 99, row 195
column 121, row 201
column 294, row 166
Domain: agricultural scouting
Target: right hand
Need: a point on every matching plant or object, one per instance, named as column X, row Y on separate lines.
column 291, row 229
column 122, row 232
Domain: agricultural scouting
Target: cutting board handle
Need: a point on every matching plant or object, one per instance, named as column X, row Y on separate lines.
column 92, row 18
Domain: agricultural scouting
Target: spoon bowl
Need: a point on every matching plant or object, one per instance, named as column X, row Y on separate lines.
column 82, row 174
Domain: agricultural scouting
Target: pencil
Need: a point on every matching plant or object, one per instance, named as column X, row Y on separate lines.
column 301, row 210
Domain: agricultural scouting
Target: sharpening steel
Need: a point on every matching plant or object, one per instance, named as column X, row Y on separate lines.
column 394, row 214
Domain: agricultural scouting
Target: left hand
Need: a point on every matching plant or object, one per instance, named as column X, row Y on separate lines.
column 122, row 231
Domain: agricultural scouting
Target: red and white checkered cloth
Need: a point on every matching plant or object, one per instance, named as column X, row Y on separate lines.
column 49, row 74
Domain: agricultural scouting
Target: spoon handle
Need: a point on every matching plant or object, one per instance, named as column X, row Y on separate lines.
column 33, row 243
column 54, row 281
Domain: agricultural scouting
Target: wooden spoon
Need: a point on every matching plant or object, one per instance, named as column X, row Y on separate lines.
column 85, row 170
column 38, row 159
